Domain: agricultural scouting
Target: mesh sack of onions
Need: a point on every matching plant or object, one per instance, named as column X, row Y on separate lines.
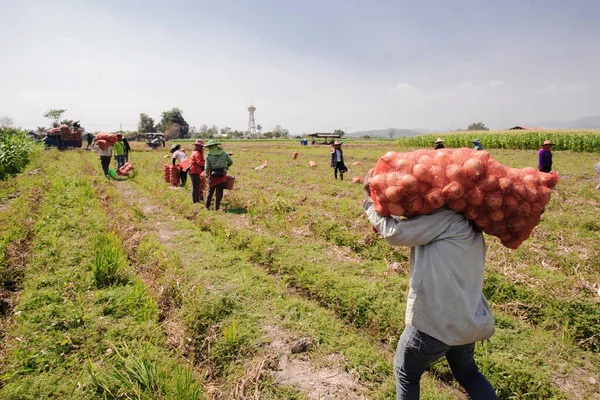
column 174, row 177
column 167, row 172
column 501, row 201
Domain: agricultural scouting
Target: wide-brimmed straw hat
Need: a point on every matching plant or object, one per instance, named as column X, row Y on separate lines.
column 439, row 140
column 547, row 142
column 476, row 141
column 174, row 148
column 336, row 143
column 199, row 142
column 213, row 142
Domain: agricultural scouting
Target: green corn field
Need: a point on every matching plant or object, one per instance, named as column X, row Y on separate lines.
column 580, row 141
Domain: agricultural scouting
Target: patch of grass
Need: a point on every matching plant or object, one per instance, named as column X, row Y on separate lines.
column 109, row 261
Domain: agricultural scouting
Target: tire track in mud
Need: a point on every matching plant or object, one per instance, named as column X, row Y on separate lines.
column 274, row 359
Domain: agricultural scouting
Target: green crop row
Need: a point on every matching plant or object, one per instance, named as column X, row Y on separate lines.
column 580, row 141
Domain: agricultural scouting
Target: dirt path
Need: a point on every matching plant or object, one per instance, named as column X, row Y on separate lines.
column 275, row 359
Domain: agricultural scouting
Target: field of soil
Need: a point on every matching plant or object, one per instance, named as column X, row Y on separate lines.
column 125, row 289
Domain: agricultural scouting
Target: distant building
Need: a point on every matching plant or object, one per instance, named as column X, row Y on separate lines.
column 526, row 128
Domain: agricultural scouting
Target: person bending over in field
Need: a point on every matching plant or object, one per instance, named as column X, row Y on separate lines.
column 337, row 160
column 446, row 311
column 215, row 168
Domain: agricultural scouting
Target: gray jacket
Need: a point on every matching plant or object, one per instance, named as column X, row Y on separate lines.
column 447, row 258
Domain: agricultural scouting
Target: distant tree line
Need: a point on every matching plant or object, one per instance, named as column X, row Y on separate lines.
column 174, row 126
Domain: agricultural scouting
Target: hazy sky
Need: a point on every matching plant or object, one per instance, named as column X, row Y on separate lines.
column 306, row 65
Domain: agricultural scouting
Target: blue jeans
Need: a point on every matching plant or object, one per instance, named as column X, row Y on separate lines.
column 120, row 161
column 417, row 350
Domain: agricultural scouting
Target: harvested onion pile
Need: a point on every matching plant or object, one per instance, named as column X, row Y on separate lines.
column 501, row 201
column 125, row 170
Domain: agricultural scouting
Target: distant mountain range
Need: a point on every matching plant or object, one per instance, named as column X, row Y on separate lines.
column 388, row 133
column 581, row 123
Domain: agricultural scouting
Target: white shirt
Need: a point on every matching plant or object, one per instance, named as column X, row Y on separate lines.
column 447, row 258
column 180, row 155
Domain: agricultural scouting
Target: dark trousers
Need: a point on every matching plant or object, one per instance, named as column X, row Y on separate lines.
column 547, row 168
column 417, row 350
column 196, row 193
column 183, row 176
column 120, row 161
column 105, row 161
column 339, row 166
column 219, row 189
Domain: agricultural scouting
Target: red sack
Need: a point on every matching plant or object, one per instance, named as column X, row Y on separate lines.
column 501, row 201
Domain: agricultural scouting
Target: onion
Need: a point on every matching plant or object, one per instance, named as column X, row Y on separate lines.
column 460, row 156
column 532, row 193
column 496, row 215
column 395, row 209
column 393, row 193
column 441, row 159
column 519, row 191
column 481, row 155
column 408, row 183
column 510, row 205
column 438, row 175
column 401, row 164
column 524, row 209
column 425, row 160
column 414, row 203
column 482, row 221
column 530, row 180
column 475, row 196
column 517, row 224
column 382, row 210
column 494, row 200
column 489, row 183
column 453, row 191
column 504, row 184
column 457, row 205
column 548, row 180
column 472, row 212
column 474, row 168
column 456, row 173
column 434, row 198
column 422, row 173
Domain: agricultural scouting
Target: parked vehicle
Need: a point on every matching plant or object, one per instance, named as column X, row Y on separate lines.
column 155, row 140
column 64, row 137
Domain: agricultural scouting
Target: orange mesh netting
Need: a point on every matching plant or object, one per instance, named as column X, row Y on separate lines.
column 501, row 201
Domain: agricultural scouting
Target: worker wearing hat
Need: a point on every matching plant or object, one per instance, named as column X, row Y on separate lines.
column 215, row 169
column 439, row 144
column 337, row 160
column 196, row 168
column 545, row 157
column 477, row 145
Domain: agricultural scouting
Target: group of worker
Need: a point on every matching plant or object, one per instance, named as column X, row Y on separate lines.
column 211, row 169
column 120, row 150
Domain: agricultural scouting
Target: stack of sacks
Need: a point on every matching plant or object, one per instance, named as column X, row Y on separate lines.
column 501, row 201
column 104, row 140
column 125, row 170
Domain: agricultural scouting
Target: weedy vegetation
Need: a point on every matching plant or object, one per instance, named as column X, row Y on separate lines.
column 159, row 298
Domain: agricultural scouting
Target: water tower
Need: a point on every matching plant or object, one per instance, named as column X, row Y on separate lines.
column 251, row 123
